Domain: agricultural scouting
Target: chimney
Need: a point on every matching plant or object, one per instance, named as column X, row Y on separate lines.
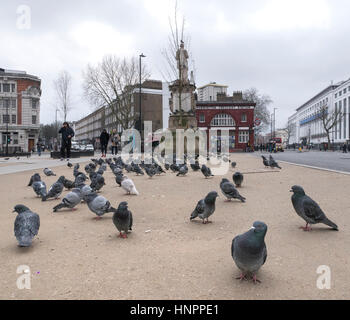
column 237, row 95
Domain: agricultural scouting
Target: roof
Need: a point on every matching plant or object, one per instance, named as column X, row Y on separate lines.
column 213, row 84
column 17, row 74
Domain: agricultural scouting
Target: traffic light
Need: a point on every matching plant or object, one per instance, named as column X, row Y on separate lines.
column 8, row 139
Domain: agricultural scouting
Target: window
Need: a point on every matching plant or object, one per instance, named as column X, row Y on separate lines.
column 336, row 95
column 344, row 91
column 13, row 103
column 34, row 103
column 243, row 136
column 5, row 118
column 13, row 119
column 13, row 87
column 244, row 117
column 201, row 117
column 222, row 119
column 33, row 119
column 6, row 87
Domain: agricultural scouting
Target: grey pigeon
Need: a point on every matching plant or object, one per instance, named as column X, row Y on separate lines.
column 265, row 162
column 85, row 190
column 229, row 190
column 273, row 163
column 33, row 178
column 39, row 188
column 68, row 184
column 119, row 178
column 26, row 225
column 233, row 164
column 97, row 182
column 249, row 252
column 55, row 190
column 76, row 167
column 205, row 207
column 308, row 209
column 195, row 166
column 69, row 165
column 206, row 171
column 237, row 179
column 183, row 170
column 79, row 181
column 151, row 171
column 122, row 219
column 70, row 200
column 48, row 172
column 98, row 204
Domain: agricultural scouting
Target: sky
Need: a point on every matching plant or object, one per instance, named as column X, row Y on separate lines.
column 287, row 49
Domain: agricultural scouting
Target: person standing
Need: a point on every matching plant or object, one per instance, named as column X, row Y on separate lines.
column 38, row 147
column 115, row 141
column 104, row 138
column 67, row 135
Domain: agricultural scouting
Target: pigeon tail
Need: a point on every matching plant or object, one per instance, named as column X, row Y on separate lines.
column 330, row 223
column 25, row 241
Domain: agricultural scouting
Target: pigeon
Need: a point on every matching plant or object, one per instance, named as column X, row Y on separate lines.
column 308, row 209
column 128, row 185
column 249, row 252
column 33, row 178
column 166, row 166
column 265, row 162
column 55, row 190
column 85, row 190
column 237, row 179
column 88, row 169
column 39, row 188
column 122, row 219
column 159, row 169
column 70, row 200
column 68, row 184
column 69, row 165
column 205, row 207
column 233, row 164
column 97, row 182
column 174, row 167
column 26, row 225
column 151, row 171
column 273, row 163
column 48, row 172
column 182, row 171
column 76, row 167
column 229, row 190
column 206, row 171
column 138, row 170
column 119, row 178
column 79, row 181
column 98, row 204
column 195, row 166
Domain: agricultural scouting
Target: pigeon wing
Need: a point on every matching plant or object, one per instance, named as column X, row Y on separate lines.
column 313, row 210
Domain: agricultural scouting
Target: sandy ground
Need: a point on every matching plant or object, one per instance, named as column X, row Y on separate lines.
column 76, row 257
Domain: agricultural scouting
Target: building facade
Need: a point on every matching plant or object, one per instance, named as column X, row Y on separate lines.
column 228, row 113
column 19, row 110
column 209, row 91
column 308, row 127
column 89, row 128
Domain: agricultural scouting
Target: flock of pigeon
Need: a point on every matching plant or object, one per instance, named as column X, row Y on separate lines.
column 248, row 250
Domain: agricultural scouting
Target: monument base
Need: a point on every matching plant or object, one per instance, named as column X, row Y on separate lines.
column 184, row 121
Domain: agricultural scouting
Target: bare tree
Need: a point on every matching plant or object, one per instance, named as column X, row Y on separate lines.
column 112, row 84
column 171, row 72
column 329, row 119
column 62, row 87
column 289, row 130
column 261, row 110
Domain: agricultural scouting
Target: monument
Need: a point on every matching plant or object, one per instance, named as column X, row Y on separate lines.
column 182, row 101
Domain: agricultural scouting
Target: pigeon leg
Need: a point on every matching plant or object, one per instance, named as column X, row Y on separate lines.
column 227, row 200
column 74, row 209
column 255, row 279
column 120, row 235
column 242, row 277
column 208, row 221
column 306, row 228
column 98, row 218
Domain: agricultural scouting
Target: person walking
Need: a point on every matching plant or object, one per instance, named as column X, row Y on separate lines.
column 104, row 138
column 115, row 141
column 67, row 135
column 38, row 147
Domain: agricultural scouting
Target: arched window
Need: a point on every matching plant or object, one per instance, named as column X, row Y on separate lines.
column 222, row 120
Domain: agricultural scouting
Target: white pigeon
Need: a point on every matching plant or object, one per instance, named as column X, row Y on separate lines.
column 128, row 185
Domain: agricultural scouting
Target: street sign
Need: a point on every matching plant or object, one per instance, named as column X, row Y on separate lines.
column 257, row 122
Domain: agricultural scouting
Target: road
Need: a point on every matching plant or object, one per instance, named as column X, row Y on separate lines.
column 327, row 160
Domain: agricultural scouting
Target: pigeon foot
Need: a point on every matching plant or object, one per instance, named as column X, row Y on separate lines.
column 255, row 280
column 98, row 218
column 242, row 277
column 306, row 228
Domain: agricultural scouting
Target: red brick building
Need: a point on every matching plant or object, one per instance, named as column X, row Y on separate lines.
column 226, row 112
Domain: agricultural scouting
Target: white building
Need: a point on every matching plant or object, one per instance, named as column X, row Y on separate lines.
column 209, row 91
column 309, row 128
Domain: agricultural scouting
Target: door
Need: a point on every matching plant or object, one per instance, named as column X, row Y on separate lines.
column 30, row 144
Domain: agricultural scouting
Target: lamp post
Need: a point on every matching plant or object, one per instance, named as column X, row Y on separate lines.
column 140, row 115
column 7, row 128
column 274, row 123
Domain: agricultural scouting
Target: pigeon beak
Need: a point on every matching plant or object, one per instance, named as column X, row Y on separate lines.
column 290, row 190
column 252, row 228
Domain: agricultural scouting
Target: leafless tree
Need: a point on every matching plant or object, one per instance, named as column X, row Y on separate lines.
column 261, row 110
column 289, row 130
column 329, row 119
column 112, row 84
column 62, row 87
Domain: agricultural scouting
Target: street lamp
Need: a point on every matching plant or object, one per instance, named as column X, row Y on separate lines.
column 140, row 115
column 274, row 123
column 7, row 127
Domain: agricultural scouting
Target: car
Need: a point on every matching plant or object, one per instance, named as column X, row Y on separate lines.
column 89, row 147
column 75, row 145
column 82, row 147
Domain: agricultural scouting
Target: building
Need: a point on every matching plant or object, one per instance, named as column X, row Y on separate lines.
column 209, row 91
column 20, row 110
column 153, row 107
column 226, row 112
column 308, row 127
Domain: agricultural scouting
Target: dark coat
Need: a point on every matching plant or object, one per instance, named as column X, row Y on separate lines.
column 66, row 131
column 104, row 138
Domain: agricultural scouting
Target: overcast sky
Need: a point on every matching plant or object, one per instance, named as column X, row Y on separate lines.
column 288, row 49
